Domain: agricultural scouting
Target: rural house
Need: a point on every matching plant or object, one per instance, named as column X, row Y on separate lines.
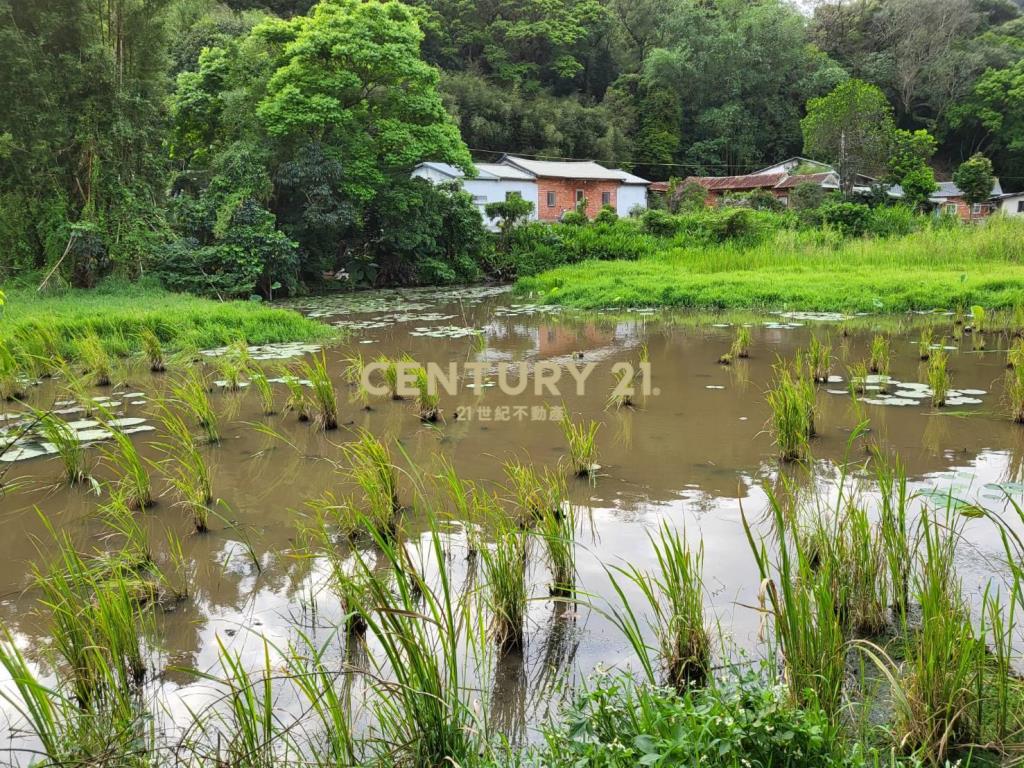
column 949, row 199
column 554, row 187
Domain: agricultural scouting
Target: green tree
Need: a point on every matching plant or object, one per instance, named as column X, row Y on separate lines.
column 975, row 179
column 509, row 214
column 852, row 128
column 908, row 165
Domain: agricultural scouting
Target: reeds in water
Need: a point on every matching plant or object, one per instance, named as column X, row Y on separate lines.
column 925, row 341
column 69, row 448
column 880, row 353
column 427, row 402
column 233, row 364
column 373, row 471
column 1015, row 393
column 741, row 343
column 818, row 359
column 1015, row 355
column 557, row 531
column 581, row 439
column 152, row 350
column 504, row 566
column 536, row 494
column 193, row 392
column 938, row 376
column 134, row 485
column 12, row 385
column 96, row 359
column 298, row 399
column 325, row 398
column 265, row 390
column 186, row 470
column 792, row 399
column 355, row 367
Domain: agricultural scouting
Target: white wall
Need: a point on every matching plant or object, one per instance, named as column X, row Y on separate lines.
column 1008, row 205
column 430, row 174
column 628, row 197
column 494, row 191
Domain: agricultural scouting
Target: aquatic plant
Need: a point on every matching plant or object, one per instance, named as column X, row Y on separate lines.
column 266, row 392
column 978, row 318
column 373, row 471
column 65, row 440
column 391, row 374
column 674, row 593
column 857, row 377
column 1015, row 393
column 153, row 350
column 504, row 567
column 134, row 484
column 427, row 402
column 582, row 442
column 96, row 359
column 620, row 396
column 557, row 532
column 298, row 399
column 355, row 367
column 862, row 572
column 12, row 386
column 792, row 400
column 233, row 364
column 186, row 469
column 938, row 377
column 818, row 360
column 741, row 343
column 798, row 595
column 536, row 494
column 325, row 397
column 925, row 340
column 1015, row 355
column 879, row 359
column 725, row 359
column 192, row 391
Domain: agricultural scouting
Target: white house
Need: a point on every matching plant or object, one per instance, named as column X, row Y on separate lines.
column 631, row 194
column 1011, row 203
column 494, row 183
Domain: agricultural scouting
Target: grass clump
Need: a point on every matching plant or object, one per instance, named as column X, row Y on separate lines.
column 375, row 474
column 938, row 377
column 504, row 567
column 96, row 359
column 186, row 469
column 878, row 362
column 557, row 532
column 741, row 343
column 1015, row 393
column 536, row 494
column 325, row 398
column 261, row 383
column 233, row 364
column 134, row 485
column 582, row 442
column 12, row 382
column 792, row 400
column 153, row 350
column 427, row 403
column 818, row 359
column 70, row 449
column 925, row 341
column 193, row 393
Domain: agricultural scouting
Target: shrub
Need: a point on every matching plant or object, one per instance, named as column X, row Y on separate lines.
column 851, row 219
column 807, row 195
column 606, row 215
column 891, row 221
column 575, row 218
column 659, row 223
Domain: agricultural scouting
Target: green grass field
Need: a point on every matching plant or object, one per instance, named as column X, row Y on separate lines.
column 930, row 269
column 118, row 312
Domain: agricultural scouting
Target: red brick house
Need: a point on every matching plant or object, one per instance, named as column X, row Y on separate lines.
column 949, row 199
column 562, row 184
column 778, row 183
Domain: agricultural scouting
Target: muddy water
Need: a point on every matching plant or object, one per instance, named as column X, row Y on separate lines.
column 694, row 452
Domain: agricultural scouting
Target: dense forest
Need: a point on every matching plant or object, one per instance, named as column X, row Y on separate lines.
column 253, row 145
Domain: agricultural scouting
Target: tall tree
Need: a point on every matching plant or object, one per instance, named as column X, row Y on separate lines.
column 975, row 179
column 852, row 128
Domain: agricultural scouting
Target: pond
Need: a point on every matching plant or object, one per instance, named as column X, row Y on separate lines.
column 695, row 451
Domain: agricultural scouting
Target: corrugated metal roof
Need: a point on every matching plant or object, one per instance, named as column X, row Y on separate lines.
column 749, row 181
column 950, row 189
column 816, row 178
column 499, row 171
column 564, row 169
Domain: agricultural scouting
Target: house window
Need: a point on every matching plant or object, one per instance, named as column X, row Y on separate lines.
column 479, row 200
column 510, row 195
column 579, row 195
column 950, row 209
column 976, row 209
column 551, row 199
column 606, row 198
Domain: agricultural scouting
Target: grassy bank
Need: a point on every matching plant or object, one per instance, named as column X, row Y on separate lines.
column 790, row 269
column 119, row 313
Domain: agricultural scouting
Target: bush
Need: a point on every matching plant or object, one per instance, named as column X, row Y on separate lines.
column 606, row 215
column 891, row 221
column 537, row 247
column 851, row 219
column 659, row 223
column 575, row 219
column 806, row 196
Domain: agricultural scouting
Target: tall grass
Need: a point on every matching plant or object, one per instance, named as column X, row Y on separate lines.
column 818, row 359
column 70, row 449
column 374, row 472
column 12, row 386
column 233, row 364
column 95, row 358
column 427, row 402
column 504, row 566
column 741, row 343
column 261, row 383
column 355, row 367
column 925, row 341
column 134, row 483
column 152, row 350
column 557, row 532
column 878, row 361
column 536, row 494
column 186, row 469
column 674, row 597
column 798, row 595
column 192, row 391
column 1014, row 387
column 325, row 398
column 581, row 439
column 938, row 376
column 792, row 400
column 298, row 399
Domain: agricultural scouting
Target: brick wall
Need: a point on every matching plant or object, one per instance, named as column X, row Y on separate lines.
column 565, row 196
column 963, row 210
